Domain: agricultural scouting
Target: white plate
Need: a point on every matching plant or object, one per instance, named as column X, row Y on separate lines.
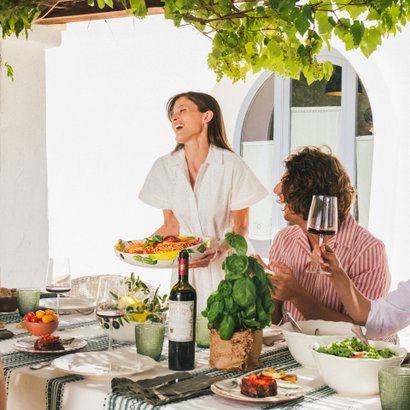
column 230, row 389
column 105, row 364
column 26, row 344
column 164, row 260
column 68, row 303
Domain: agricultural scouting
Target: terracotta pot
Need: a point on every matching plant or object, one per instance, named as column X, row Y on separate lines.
column 240, row 352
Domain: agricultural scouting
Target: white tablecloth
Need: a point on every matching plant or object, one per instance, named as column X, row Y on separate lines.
column 27, row 388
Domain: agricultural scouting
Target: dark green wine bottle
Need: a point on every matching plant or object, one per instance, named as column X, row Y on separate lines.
column 181, row 319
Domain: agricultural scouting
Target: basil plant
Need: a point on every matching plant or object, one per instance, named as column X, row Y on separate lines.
column 243, row 299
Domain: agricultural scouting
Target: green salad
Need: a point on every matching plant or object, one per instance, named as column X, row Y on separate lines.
column 356, row 349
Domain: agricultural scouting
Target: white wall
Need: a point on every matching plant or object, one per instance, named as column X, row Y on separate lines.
column 107, row 86
column 23, row 166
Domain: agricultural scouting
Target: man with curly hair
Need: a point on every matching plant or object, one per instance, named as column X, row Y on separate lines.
column 307, row 295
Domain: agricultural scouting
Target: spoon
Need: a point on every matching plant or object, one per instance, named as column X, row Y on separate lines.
column 357, row 330
column 292, row 320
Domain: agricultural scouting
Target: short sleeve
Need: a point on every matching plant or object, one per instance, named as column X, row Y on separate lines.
column 156, row 188
column 247, row 190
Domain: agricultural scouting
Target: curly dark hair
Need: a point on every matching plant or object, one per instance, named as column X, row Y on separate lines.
column 312, row 171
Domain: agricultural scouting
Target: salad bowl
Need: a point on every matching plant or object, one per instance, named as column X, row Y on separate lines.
column 357, row 375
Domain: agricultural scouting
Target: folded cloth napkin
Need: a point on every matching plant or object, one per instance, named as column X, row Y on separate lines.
column 6, row 334
column 165, row 389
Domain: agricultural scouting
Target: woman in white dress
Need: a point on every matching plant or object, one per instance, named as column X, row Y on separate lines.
column 202, row 186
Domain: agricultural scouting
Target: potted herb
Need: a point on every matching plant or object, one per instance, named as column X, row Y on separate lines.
column 239, row 309
column 142, row 305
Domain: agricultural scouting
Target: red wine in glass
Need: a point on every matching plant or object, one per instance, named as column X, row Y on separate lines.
column 322, row 221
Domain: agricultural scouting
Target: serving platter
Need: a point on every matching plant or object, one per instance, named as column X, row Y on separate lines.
column 230, row 389
column 106, row 364
column 164, row 260
column 26, row 344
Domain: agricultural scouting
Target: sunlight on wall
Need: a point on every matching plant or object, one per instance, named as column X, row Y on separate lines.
column 107, row 86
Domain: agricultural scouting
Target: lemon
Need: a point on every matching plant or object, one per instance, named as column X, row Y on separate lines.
column 140, row 317
column 167, row 256
column 128, row 300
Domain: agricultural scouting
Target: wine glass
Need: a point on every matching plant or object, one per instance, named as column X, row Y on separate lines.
column 58, row 278
column 111, row 290
column 322, row 220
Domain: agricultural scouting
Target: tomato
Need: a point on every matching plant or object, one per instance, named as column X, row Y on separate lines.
column 34, row 319
column 27, row 317
column 49, row 312
column 171, row 238
column 47, row 318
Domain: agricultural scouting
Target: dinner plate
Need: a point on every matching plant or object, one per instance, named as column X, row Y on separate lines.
column 230, row 389
column 26, row 344
column 68, row 303
column 105, row 364
column 163, row 260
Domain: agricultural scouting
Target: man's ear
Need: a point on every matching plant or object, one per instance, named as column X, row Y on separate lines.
column 208, row 115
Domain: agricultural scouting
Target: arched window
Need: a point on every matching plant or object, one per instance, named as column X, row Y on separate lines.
column 279, row 115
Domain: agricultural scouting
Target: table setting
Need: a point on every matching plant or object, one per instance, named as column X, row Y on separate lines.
column 72, row 360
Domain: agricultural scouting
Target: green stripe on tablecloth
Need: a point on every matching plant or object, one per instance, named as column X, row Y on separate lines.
column 280, row 359
column 55, row 390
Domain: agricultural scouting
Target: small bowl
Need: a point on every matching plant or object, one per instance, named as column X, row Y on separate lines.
column 355, row 377
column 8, row 303
column 300, row 344
column 40, row 328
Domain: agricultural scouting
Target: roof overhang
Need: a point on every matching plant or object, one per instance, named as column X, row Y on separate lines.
column 69, row 11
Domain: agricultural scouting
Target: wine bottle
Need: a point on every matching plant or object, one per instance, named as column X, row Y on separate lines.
column 181, row 319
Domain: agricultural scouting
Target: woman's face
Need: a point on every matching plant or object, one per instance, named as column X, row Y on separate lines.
column 187, row 121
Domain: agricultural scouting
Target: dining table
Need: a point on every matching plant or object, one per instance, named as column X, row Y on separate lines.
column 51, row 388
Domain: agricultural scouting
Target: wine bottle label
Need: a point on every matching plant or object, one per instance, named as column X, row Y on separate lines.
column 181, row 321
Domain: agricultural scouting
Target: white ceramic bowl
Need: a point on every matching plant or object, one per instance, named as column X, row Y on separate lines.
column 356, row 377
column 163, row 260
column 300, row 344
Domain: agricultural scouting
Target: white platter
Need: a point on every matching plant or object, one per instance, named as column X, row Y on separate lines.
column 105, row 364
column 26, row 344
column 68, row 303
column 163, row 260
column 230, row 389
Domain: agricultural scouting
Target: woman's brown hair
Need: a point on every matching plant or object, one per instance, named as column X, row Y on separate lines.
column 204, row 102
column 311, row 171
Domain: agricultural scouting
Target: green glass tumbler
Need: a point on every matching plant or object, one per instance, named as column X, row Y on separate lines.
column 149, row 339
column 27, row 300
column 202, row 336
column 394, row 386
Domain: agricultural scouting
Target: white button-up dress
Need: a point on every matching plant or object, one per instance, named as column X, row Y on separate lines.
column 224, row 184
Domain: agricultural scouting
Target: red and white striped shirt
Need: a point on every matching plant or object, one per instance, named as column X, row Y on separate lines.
column 361, row 254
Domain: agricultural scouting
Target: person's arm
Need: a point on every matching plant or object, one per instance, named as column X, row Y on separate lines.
column 170, row 225
column 240, row 221
column 288, row 288
column 353, row 300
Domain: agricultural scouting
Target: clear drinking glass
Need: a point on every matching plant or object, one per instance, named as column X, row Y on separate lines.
column 58, row 278
column 322, row 220
column 110, row 305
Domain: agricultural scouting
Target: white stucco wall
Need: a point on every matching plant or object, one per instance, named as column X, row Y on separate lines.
column 23, row 167
column 385, row 77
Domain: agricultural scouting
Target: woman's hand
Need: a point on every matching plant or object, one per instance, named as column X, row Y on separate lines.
column 327, row 259
column 211, row 255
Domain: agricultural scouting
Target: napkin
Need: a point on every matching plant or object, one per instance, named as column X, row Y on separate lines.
column 165, row 389
column 6, row 334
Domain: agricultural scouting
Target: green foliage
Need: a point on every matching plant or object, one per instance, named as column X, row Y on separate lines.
column 243, row 299
column 283, row 36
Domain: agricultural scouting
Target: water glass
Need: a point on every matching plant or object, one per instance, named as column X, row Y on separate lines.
column 394, row 386
column 149, row 338
column 202, row 336
column 27, row 300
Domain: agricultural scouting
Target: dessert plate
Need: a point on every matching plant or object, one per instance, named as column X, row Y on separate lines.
column 68, row 303
column 26, row 344
column 230, row 389
column 105, row 364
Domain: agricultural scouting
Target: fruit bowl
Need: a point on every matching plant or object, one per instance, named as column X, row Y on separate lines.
column 40, row 328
